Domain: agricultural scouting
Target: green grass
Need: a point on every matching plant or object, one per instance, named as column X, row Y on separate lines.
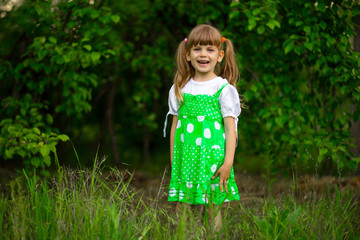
column 86, row 204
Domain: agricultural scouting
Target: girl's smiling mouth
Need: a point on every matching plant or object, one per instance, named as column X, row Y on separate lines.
column 203, row 62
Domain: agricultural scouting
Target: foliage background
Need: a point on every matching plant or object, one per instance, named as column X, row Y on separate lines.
column 98, row 73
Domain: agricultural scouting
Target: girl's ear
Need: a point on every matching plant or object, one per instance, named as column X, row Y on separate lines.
column 188, row 57
column 221, row 55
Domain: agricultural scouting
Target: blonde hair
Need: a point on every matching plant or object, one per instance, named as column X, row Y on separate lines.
column 204, row 35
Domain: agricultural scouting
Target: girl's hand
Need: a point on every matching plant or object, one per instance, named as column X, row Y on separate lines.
column 230, row 139
column 224, row 172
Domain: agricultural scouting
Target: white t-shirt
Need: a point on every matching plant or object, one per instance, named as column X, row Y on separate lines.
column 228, row 99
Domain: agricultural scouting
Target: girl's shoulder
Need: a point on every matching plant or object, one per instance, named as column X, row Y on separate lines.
column 222, row 81
column 208, row 87
column 228, row 88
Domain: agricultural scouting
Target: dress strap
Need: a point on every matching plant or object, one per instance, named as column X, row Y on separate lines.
column 217, row 94
column 165, row 124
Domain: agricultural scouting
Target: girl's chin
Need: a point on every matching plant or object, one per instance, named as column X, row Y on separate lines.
column 203, row 64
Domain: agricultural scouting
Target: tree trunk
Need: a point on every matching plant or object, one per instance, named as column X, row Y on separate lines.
column 110, row 121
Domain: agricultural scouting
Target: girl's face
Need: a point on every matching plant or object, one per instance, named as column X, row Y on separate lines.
column 204, row 59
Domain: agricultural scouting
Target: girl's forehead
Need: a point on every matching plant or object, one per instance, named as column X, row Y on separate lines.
column 202, row 45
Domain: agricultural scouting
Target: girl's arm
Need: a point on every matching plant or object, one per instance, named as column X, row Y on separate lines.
column 172, row 136
column 230, row 141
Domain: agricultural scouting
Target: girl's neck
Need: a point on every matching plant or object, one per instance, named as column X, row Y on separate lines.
column 204, row 78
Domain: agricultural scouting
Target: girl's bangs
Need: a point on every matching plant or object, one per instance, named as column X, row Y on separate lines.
column 205, row 36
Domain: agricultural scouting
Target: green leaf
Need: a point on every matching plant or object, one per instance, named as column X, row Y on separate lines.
column 307, row 30
column 323, row 25
column 87, row 47
column 330, row 42
column 309, row 45
column 252, row 23
column 35, row 161
column 323, row 151
column 52, row 40
column 37, row 131
column 233, row 14
column 63, row 137
column 9, row 153
column 261, row 29
column 234, row 4
column 321, row 6
column 279, row 121
column 344, row 89
column 38, row 9
column 298, row 23
column 272, row 24
column 94, row 13
column 336, row 58
column 320, row 158
column 115, row 18
column 45, row 150
column 23, row 111
column 21, row 153
column 95, row 56
column 110, row 52
column 33, row 137
column 289, row 48
column 356, row 96
column 356, row 159
column 355, row 72
column 12, row 129
column 49, row 119
column 47, row 160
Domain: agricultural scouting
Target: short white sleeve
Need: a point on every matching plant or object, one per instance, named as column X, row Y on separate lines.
column 173, row 102
column 230, row 102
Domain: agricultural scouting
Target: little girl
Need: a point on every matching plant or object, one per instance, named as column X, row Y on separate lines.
column 205, row 106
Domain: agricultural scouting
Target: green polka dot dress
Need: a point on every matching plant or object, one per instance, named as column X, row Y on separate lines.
column 199, row 151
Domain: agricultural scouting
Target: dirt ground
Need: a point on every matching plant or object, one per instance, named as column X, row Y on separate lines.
column 253, row 189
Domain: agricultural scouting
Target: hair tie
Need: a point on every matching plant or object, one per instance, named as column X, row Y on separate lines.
column 185, row 39
column 223, row 39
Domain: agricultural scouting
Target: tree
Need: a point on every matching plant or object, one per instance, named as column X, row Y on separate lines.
column 302, row 76
column 51, row 75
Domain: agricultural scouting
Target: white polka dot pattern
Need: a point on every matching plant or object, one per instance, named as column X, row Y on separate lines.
column 181, row 195
column 207, row 133
column 172, row 192
column 190, row 128
column 199, row 149
column 213, row 168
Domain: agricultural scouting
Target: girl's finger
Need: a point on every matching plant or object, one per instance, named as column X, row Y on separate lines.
column 221, row 185
column 225, row 184
column 216, row 174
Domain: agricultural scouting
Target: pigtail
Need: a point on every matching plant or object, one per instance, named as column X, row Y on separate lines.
column 229, row 69
column 183, row 71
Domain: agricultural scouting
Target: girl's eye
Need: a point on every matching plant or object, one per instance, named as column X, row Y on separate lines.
column 196, row 49
column 210, row 50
